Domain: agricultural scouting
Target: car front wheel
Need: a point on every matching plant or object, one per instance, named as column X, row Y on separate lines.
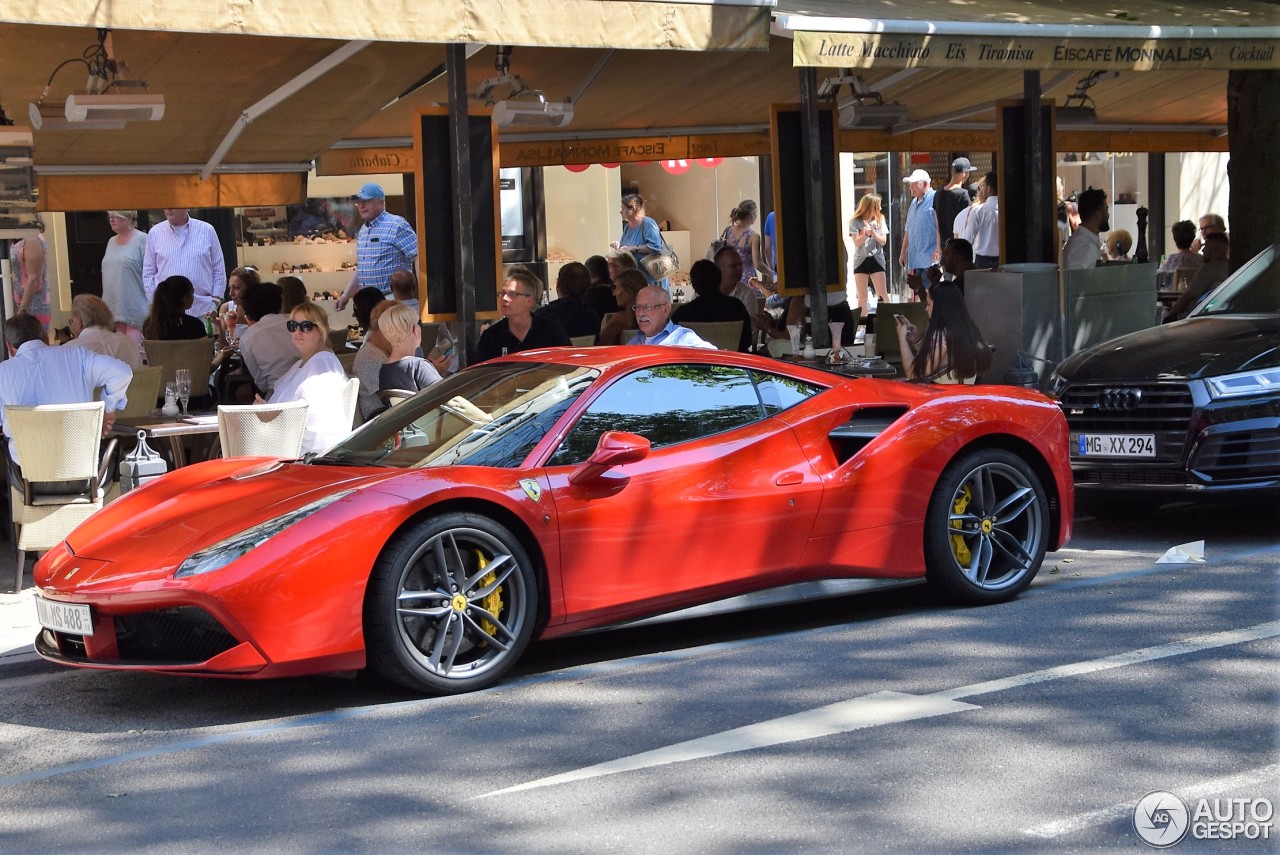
column 451, row 605
column 986, row 528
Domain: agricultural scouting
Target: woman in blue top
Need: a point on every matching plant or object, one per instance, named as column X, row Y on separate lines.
column 640, row 235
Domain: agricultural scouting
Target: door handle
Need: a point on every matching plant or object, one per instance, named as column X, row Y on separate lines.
column 789, row 479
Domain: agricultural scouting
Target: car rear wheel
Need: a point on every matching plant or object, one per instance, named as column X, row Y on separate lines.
column 451, row 605
column 986, row 529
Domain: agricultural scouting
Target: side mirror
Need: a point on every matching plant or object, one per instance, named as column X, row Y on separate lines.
column 614, row 449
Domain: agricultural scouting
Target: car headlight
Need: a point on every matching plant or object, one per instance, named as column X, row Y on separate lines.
column 1245, row 383
column 1055, row 385
column 225, row 551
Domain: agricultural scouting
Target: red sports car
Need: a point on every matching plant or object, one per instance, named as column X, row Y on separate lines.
column 553, row 492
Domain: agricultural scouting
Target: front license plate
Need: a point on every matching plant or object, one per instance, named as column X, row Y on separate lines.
column 72, row 618
column 1115, row 445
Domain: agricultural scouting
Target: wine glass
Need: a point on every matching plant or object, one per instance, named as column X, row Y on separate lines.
column 182, row 379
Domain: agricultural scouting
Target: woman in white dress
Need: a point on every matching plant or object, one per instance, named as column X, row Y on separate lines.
column 317, row 378
column 122, row 275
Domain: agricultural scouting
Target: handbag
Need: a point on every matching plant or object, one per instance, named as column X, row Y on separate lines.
column 660, row 265
column 717, row 245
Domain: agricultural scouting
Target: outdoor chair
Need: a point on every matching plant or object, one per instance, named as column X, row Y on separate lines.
column 391, row 397
column 144, row 391
column 262, row 430
column 347, row 359
column 351, row 400
column 57, row 446
column 194, row 354
column 582, row 340
column 725, row 335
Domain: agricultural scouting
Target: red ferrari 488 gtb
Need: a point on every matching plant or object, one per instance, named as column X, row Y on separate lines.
column 553, row 492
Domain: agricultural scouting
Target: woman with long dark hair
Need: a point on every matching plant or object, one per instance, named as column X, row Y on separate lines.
column 951, row 349
column 169, row 320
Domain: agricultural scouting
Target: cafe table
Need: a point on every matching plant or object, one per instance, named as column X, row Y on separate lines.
column 174, row 429
column 858, row 366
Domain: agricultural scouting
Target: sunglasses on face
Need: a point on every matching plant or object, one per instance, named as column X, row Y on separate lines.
column 295, row 326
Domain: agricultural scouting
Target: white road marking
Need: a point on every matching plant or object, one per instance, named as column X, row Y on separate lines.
column 883, row 708
column 869, row 711
column 1107, row 815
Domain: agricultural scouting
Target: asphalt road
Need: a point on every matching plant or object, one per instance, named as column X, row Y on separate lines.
column 877, row 722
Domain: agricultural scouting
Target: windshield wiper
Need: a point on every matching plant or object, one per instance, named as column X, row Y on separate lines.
column 342, row 461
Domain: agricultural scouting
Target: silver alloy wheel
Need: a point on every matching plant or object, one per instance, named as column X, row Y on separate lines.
column 996, row 526
column 461, row 604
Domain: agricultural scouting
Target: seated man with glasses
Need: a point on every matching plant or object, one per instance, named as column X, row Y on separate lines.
column 519, row 329
column 653, row 317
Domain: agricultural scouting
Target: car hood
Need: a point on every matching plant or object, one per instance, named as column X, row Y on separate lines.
column 196, row 506
column 1190, row 349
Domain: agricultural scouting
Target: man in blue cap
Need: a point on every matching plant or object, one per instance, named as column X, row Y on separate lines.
column 386, row 243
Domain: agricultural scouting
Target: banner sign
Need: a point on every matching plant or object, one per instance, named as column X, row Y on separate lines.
column 365, row 161
column 886, row 50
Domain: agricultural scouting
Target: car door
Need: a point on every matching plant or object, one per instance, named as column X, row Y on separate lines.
column 723, row 502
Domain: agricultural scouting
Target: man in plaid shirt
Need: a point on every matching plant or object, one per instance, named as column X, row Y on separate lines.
column 386, row 243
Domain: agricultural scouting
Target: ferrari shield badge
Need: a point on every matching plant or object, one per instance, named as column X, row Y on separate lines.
column 532, row 488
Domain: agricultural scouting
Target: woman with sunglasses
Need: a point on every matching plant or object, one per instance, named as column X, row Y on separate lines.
column 317, row 378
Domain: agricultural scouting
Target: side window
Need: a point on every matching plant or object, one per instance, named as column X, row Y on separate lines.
column 781, row 393
column 666, row 405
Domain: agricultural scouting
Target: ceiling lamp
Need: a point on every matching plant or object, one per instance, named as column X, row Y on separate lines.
column 861, row 108
column 53, row 117
column 521, row 104
column 109, row 100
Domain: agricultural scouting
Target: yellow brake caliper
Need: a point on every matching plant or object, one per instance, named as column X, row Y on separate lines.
column 493, row 602
column 959, row 548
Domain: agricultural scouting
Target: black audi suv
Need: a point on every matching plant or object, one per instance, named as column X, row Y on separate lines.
column 1184, row 410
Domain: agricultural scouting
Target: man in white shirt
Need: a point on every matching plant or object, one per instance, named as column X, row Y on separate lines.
column 1083, row 249
column 653, row 317
column 185, row 246
column 266, row 346
column 36, row 373
column 984, row 224
column 93, row 327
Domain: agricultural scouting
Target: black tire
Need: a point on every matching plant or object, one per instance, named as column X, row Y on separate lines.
column 451, row 605
column 987, row 528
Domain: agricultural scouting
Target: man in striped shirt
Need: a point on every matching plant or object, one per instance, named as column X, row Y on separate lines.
column 386, row 243
column 185, row 246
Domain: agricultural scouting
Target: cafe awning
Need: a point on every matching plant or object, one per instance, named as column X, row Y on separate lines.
column 673, row 24
column 214, row 62
column 1143, row 35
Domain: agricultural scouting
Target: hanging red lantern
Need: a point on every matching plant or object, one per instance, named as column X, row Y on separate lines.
column 709, row 162
column 676, row 167
column 577, row 167
column 610, row 165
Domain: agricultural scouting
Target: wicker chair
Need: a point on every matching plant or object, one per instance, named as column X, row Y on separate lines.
column 193, row 354
column 582, row 340
column 144, row 391
column 391, row 397
column 57, row 445
column 351, row 399
column 348, row 361
column 262, row 430
column 725, row 335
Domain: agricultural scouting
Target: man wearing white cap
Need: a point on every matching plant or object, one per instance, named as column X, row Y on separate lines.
column 386, row 243
column 921, row 240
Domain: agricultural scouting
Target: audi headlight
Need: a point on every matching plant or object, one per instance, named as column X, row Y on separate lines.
column 1245, row 383
column 225, row 551
column 1055, row 386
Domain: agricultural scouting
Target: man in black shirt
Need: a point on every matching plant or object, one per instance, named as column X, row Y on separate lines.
column 953, row 198
column 570, row 310
column 711, row 304
column 519, row 329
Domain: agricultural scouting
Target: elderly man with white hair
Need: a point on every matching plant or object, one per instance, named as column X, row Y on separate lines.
column 921, row 238
column 653, row 317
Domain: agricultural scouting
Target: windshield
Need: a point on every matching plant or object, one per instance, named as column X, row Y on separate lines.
column 489, row 415
column 1253, row 289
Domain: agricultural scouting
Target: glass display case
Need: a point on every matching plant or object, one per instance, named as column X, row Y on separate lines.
column 17, row 183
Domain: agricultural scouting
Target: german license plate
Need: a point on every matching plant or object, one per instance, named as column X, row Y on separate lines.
column 73, row 618
column 1115, row 445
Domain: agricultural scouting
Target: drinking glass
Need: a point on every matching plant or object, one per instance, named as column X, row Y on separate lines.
column 182, row 379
